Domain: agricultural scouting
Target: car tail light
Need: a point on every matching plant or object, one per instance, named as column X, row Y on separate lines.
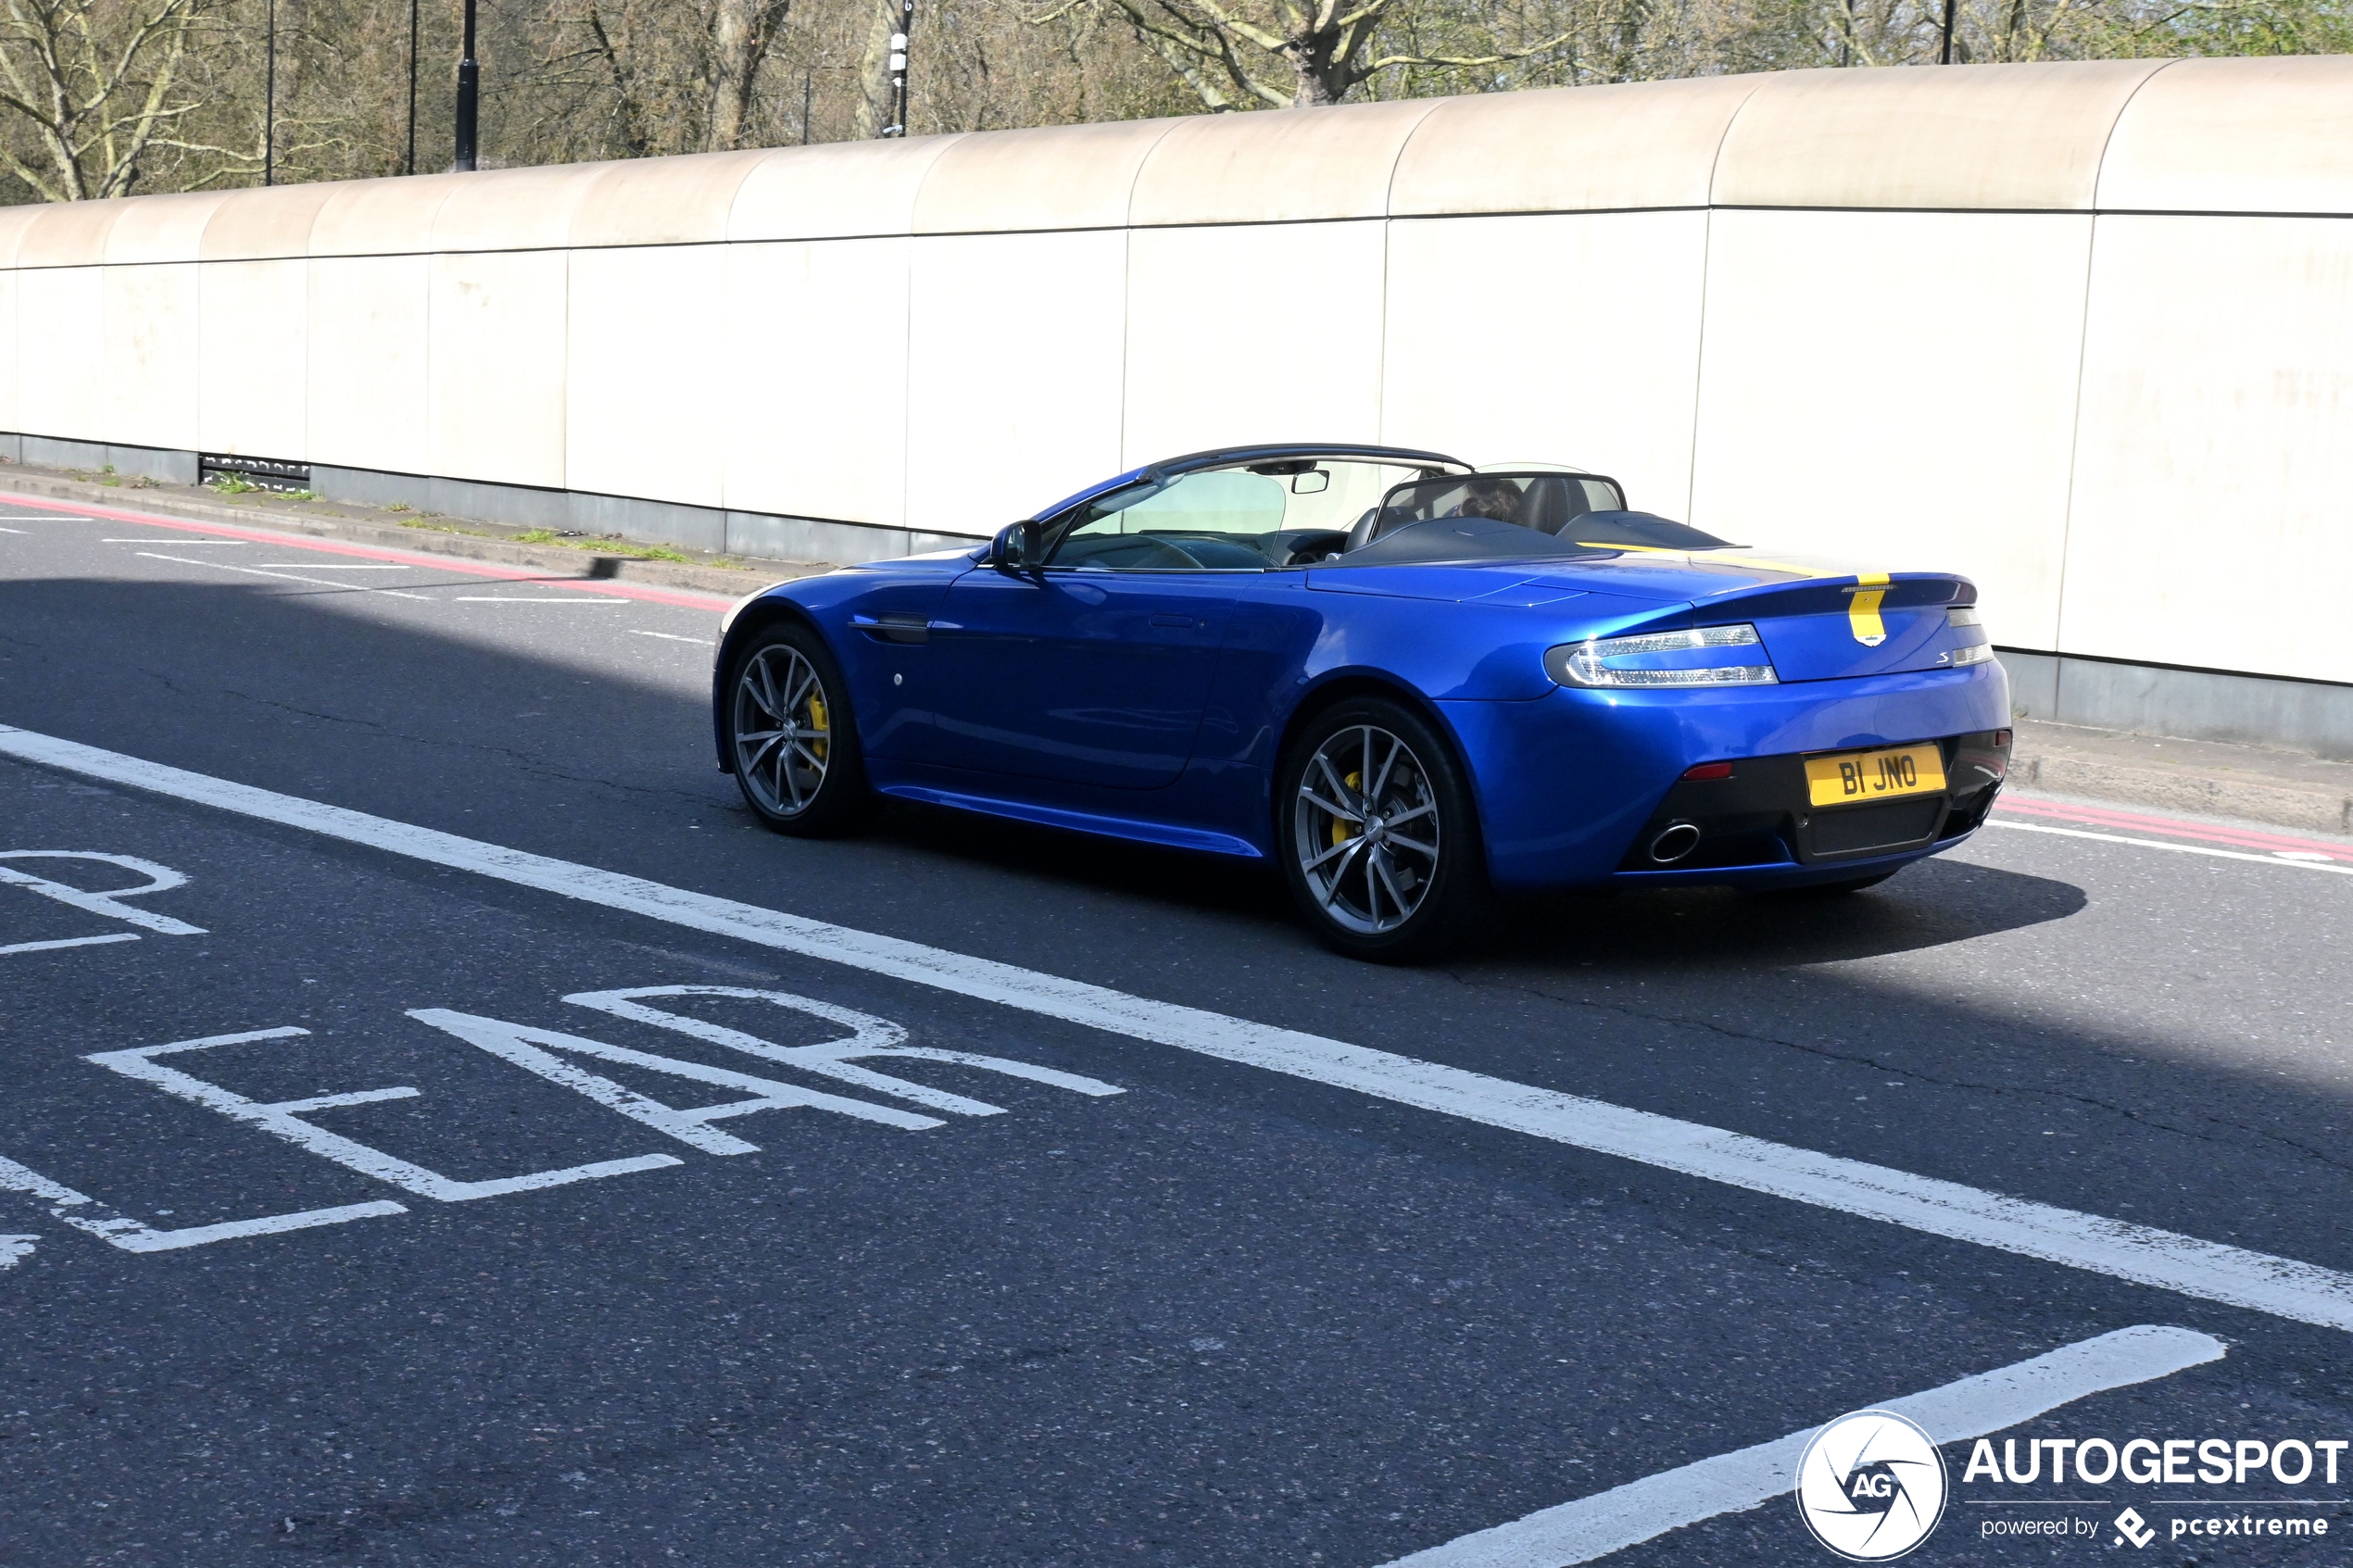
column 1601, row 662
column 1709, row 770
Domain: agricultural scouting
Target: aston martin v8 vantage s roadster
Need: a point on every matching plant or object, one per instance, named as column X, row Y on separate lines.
column 1407, row 682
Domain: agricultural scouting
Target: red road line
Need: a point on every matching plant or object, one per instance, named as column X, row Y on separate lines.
column 2173, row 827
column 681, row 597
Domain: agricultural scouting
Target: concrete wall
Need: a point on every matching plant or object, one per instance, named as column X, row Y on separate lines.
column 2084, row 331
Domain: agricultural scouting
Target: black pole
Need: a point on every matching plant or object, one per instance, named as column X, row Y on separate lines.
column 269, row 105
column 469, row 94
column 1945, row 58
column 409, row 165
column 898, row 69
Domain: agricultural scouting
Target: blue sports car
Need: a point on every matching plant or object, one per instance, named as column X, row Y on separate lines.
column 1409, row 682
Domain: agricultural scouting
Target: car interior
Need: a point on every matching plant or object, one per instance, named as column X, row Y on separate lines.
column 1307, row 512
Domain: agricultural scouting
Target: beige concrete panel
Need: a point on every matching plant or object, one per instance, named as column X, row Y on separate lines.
column 647, row 341
column 1254, row 333
column 2000, row 137
column 69, row 234
column 815, row 379
column 166, row 228
column 271, row 221
column 2245, row 135
column 1013, row 374
column 840, row 190
column 60, row 320
column 368, row 387
column 2215, row 449
column 1571, row 338
column 1056, row 177
column 254, row 370
column 149, row 361
column 658, row 201
column 391, row 217
column 1569, row 149
column 1277, row 165
column 497, row 343
column 513, row 208
column 8, row 356
column 14, row 222
column 1896, row 389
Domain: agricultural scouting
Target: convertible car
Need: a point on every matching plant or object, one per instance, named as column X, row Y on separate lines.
column 1410, row 682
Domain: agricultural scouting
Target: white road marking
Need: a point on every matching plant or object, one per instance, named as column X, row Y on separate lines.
column 281, row 576
column 10, row 531
column 672, row 637
column 869, row 1036
column 331, row 566
column 517, row 599
column 534, row 1050
column 284, row 1118
column 1641, row 1510
column 2287, row 858
column 2142, row 1254
column 160, row 879
column 15, row 1249
column 86, row 1213
column 68, row 942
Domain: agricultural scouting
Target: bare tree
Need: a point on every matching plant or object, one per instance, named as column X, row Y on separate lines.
column 91, row 87
column 1281, row 53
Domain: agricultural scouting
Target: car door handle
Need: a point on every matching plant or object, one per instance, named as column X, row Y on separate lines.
column 1181, row 623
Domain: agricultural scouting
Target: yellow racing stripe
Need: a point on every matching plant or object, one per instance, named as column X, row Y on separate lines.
column 1862, row 612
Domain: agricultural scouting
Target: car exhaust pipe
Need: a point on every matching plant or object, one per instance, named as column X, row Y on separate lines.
column 1677, row 841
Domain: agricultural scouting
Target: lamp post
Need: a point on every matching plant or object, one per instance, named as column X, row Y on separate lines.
column 899, row 70
column 469, row 94
column 408, row 164
column 1945, row 56
column 270, row 104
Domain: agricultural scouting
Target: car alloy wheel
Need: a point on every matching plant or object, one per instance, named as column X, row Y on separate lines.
column 1366, row 831
column 792, row 735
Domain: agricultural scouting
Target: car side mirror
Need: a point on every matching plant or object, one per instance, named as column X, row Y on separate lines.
column 1017, row 546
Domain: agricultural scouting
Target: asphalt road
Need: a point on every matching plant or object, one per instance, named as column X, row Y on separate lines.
column 1233, row 1312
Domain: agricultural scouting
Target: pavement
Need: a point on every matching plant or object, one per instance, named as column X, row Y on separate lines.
column 352, row 1217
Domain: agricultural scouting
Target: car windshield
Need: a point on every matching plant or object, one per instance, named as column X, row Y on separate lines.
column 1290, row 512
column 1492, row 514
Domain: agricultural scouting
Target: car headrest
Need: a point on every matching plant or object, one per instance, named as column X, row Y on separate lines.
column 1550, row 502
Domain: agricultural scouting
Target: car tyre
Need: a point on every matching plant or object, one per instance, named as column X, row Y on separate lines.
column 1412, row 884
column 792, row 738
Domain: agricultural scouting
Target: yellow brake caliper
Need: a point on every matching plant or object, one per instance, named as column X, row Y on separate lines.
column 1340, row 834
column 817, row 722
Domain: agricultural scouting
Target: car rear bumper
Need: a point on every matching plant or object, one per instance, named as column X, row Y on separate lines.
column 1573, row 785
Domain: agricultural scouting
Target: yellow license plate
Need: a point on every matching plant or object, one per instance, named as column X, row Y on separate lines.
column 1858, row 776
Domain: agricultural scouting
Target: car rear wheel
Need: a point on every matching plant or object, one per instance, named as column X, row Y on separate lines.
column 792, row 737
column 1376, row 833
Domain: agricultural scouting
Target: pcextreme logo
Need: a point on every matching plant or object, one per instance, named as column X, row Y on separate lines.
column 1872, row 1485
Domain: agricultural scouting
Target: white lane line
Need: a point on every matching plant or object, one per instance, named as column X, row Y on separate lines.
column 86, row 1213
column 672, row 637
column 2236, row 1277
column 284, row 576
column 1974, row 1406
column 518, row 599
column 68, row 942
column 11, row 531
column 2300, row 864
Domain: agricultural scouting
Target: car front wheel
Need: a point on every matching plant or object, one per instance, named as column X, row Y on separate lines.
column 792, row 737
column 1376, row 833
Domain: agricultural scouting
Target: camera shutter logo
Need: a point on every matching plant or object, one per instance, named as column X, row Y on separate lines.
column 1872, row 1485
